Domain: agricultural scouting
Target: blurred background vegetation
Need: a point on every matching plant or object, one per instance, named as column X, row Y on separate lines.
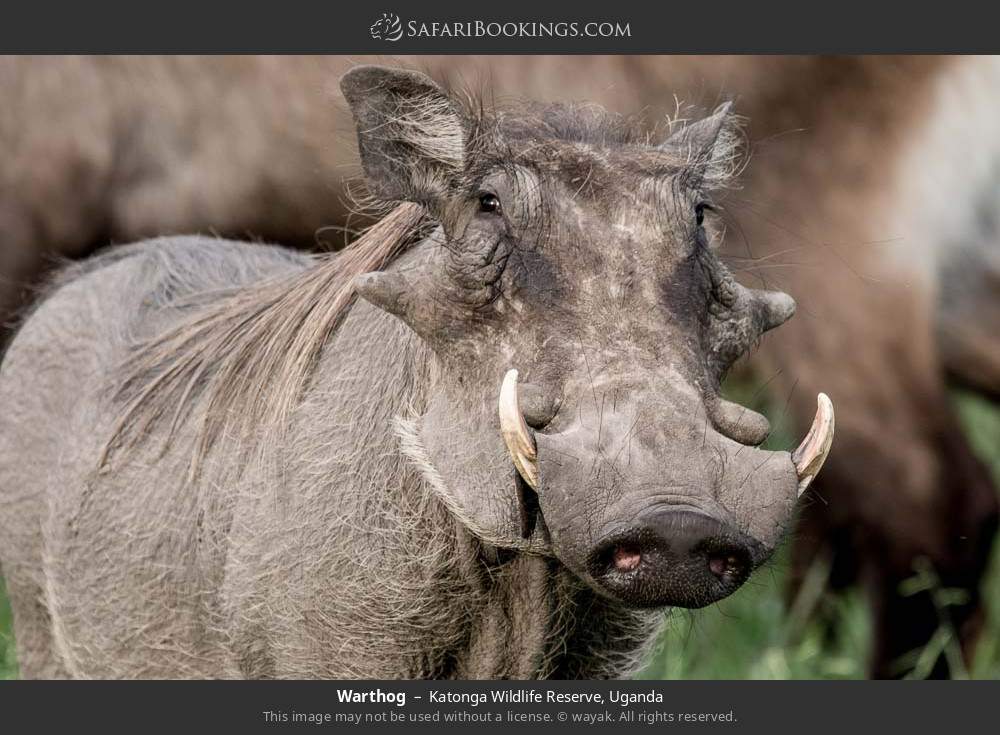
column 754, row 634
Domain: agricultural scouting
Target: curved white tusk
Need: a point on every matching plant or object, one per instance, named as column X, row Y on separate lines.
column 515, row 432
column 811, row 453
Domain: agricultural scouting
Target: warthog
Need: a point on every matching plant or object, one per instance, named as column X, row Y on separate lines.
column 502, row 461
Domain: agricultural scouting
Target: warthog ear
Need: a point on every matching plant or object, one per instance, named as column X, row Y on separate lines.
column 709, row 146
column 410, row 133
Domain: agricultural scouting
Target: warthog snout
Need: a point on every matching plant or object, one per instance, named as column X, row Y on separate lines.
column 651, row 504
column 675, row 558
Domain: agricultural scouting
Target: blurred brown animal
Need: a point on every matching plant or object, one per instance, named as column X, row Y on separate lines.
column 856, row 187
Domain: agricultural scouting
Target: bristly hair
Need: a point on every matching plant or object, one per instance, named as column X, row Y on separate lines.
column 251, row 352
column 572, row 123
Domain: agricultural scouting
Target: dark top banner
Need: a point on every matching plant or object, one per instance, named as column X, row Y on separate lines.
column 392, row 27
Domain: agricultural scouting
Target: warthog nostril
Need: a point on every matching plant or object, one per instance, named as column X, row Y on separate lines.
column 626, row 558
column 723, row 566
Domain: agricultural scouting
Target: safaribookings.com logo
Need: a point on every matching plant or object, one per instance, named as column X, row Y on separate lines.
column 387, row 28
column 390, row 28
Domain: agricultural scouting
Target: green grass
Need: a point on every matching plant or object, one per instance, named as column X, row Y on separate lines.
column 753, row 634
column 981, row 420
column 8, row 663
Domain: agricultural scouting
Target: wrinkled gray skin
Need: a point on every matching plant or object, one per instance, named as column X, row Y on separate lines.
column 371, row 547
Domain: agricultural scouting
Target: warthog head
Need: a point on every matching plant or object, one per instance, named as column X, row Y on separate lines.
column 578, row 254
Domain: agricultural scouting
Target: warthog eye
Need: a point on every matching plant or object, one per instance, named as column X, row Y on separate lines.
column 699, row 212
column 488, row 202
